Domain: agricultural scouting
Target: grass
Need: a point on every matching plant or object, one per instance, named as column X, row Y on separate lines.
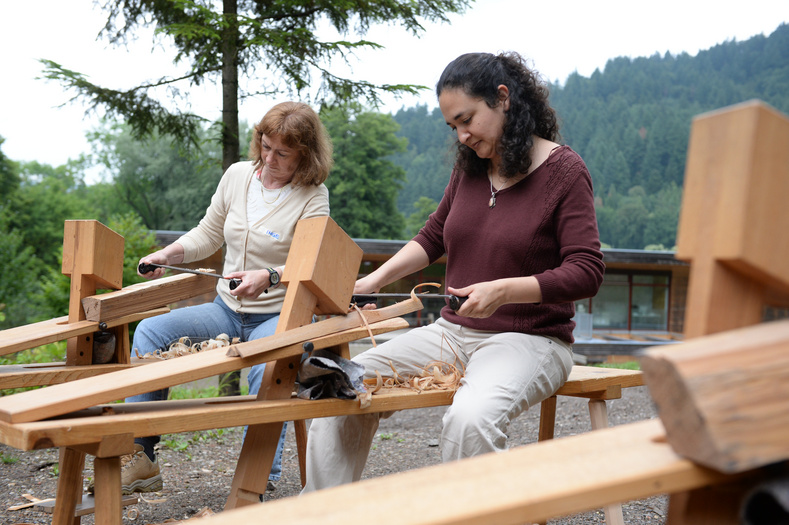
column 8, row 459
column 49, row 353
column 179, row 443
column 629, row 365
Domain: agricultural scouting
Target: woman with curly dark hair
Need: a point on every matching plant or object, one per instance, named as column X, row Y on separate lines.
column 518, row 227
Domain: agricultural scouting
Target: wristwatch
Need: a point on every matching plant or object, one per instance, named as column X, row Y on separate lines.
column 273, row 277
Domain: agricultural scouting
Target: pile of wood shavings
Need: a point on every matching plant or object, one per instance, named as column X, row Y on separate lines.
column 437, row 375
column 184, row 346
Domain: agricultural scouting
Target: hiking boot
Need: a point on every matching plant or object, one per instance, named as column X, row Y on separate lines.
column 138, row 473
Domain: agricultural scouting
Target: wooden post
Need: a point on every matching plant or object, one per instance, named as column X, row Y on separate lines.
column 93, row 258
column 320, row 273
column 734, row 215
column 722, row 399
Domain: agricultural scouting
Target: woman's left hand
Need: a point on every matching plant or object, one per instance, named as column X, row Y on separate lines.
column 483, row 299
column 487, row 297
column 253, row 283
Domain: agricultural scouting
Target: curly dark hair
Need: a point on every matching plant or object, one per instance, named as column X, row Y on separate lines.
column 479, row 75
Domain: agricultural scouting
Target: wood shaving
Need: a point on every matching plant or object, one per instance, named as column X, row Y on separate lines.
column 436, row 375
column 206, row 270
column 184, row 346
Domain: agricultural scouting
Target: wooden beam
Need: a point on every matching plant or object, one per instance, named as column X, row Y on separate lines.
column 53, row 330
column 522, row 485
column 724, row 398
column 166, row 417
column 146, row 296
column 83, row 393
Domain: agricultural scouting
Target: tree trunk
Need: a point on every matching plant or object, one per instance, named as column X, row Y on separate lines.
column 230, row 141
column 229, row 383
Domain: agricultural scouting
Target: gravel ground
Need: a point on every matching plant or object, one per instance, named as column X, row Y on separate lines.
column 198, row 476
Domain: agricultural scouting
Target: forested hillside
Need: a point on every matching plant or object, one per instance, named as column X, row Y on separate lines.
column 631, row 124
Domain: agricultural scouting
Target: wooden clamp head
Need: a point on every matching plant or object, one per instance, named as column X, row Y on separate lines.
column 90, row 249
column 734, row 217
column 723, row 395
column 736, row 183
column 325, row 260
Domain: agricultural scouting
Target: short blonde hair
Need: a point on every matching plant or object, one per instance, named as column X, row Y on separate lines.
column 298, row 127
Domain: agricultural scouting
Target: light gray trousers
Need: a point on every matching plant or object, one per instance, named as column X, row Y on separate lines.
column 505, row 374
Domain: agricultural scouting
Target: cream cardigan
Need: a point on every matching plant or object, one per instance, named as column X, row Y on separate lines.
column 264, row 244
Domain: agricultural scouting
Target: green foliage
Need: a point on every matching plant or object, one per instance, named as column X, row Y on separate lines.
column 20, row 276
column 424, row 207
column 275, row 44
column 9, row 176
column 47, row 197
column 167, row 186
column 631, row 124
column 363, row 184
column 138, row 242
column 429, row 158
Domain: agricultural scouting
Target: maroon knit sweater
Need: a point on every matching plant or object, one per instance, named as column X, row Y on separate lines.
column 543, row 226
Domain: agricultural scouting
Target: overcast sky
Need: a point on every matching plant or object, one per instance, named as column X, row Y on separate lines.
column 558, row 37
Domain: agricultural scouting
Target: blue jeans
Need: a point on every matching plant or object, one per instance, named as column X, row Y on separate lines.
column 203, row 322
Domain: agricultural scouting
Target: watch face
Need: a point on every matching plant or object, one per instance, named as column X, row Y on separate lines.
column 273, row 277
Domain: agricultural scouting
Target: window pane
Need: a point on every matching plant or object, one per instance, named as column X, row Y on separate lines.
column 650, row 308
column 609, row 307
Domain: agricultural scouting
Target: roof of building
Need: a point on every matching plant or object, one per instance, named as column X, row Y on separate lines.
column 387, row 247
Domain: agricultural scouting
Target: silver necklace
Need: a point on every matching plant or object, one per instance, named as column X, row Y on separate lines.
column 492, row 201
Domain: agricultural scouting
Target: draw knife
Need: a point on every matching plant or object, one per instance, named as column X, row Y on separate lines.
column 145, row 268
column 454, row 301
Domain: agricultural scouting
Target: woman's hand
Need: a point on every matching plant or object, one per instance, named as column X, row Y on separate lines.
column 364, row 286
column 155, row 258
column 169, row 255
column 253, row 283
column 485, row 298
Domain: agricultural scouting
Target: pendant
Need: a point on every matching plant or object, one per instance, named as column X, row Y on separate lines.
column 492, row 201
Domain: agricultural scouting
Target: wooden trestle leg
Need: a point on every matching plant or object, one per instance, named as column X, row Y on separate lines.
column 71, row 464
column 321, row 270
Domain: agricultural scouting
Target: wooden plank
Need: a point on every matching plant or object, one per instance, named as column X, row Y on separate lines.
column 724, row 398
column 333, row 324
column 82, row 393
column 171, row 417
column 595, row 379
column 37, row 334
column 166, row 417
column 522, row 485
column 146, row 296
column 85, row 507
column 42, row 374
